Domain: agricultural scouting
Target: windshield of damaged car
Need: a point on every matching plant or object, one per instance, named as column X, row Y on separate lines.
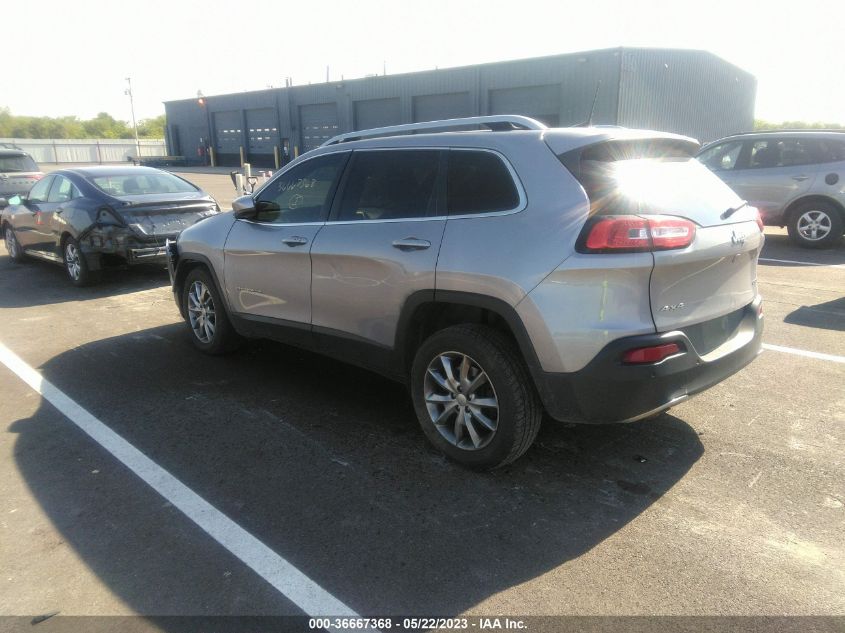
column 17, row 163
column 141, row 184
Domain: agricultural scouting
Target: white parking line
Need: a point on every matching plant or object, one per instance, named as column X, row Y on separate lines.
column 795, row 261
column 803, row 352
column 287, row 579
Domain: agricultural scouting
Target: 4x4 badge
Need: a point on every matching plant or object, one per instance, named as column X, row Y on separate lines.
column 674, row 306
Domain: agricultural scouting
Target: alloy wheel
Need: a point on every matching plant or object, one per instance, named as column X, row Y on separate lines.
column 814, row 225
column 461, row 401
column 74, row 266
column 201, row 313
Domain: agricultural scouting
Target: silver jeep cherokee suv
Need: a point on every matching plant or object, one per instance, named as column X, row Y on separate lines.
column 598, row 274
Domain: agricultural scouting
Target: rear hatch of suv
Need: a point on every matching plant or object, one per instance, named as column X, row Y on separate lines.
column 650, row 194
column 18, row 173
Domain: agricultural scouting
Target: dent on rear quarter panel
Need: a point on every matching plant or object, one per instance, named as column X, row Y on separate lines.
column 585, row 303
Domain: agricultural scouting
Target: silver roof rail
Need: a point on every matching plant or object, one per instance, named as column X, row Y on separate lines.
column 496, row 122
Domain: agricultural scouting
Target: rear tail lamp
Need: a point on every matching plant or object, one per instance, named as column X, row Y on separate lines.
column 633, row 233
column 653, row 354
column 759, row 219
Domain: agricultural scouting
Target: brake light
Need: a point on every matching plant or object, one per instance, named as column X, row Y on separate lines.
column 759, row 219
column 631, row 233
column 653, row 354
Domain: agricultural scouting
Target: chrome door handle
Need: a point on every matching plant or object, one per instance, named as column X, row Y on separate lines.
column 295, row 240
column 411, row 244
column 800, row 178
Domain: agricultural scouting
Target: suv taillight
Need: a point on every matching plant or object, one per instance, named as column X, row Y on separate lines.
column 633, row 233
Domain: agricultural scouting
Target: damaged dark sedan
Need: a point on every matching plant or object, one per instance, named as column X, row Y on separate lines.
column 86, row 219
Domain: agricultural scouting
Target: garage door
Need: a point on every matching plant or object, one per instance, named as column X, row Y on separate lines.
column 319, row 124
column 227, row 137
column 436, row 107
column 538, row 102
column 262, row 136
column 372, row 113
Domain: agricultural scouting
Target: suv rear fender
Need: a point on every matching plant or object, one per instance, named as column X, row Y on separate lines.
column 426, row 312
column 586, row 302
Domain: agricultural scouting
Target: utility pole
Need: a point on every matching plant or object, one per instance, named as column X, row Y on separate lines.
column 128, row 91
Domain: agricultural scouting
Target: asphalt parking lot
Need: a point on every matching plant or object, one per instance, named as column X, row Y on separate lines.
column 731, row 504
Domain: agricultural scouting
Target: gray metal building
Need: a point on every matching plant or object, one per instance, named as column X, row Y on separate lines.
column 689, row 92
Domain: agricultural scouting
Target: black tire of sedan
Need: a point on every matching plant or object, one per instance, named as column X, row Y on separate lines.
column 13, row 246
column 205, row 314
column 815, row 225
column 474, row 397
column 76, row 266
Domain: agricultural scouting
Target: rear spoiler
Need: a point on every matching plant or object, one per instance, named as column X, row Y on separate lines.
column 613, row 147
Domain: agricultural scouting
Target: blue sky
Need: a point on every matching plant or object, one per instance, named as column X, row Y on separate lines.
column 76, row 55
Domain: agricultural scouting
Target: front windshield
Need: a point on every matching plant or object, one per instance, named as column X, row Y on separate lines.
column 141, row 184
column 17, row 163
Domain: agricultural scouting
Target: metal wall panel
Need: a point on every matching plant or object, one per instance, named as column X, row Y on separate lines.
column 370, row 113
column 319, row 124
column 539, row 102
column 687, row 92
column 691, row 92
column 441, row 106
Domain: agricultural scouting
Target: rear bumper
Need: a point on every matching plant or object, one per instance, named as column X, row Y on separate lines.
column 608, row 391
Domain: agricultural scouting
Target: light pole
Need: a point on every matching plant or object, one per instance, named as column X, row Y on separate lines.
column 128, row 91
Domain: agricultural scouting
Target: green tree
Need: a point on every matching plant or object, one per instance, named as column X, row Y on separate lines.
column 760, row 124
column 102, row 126
column 152, row 128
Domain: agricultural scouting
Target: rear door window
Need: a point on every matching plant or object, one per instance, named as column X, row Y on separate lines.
column 61, row 191
column 781, row 152
column 390, row 185
column 479, row 182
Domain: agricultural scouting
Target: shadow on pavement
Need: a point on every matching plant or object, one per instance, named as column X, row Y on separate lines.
column 829, row 315
column 36, row 283
column 325, row 464
column 779, row 246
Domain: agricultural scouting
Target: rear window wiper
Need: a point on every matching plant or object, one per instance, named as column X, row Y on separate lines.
column 733, row 210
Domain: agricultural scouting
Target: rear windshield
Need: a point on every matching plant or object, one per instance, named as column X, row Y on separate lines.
column 647, row 179
column 141, row 184
column 651, row 185
column 17, row 163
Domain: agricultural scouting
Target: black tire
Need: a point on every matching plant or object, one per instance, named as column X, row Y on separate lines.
column 828, row 218
column 13, row 246
column 76, row 265
column 519, row 412
column 222, row 338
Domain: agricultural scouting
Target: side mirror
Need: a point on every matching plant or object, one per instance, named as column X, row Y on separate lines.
column 244, row 208
column 3, row 203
